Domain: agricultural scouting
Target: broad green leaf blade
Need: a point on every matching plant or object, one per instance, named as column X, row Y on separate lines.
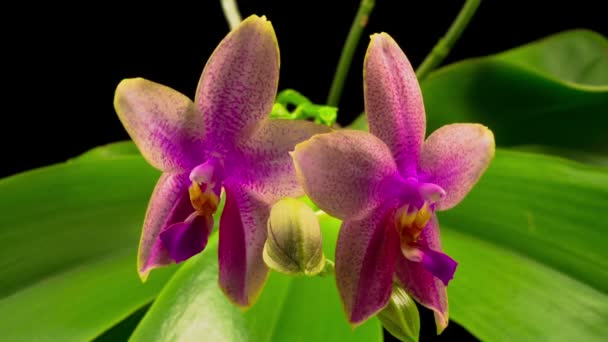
column 520, row 106
column 123, row 330
column 531, row 241
column 500, row 295
column 593, row 158
column 549, row 209
column 289, row 309
column 576, row 56
column 551, row 92
column 70, row 234
column 78, row 304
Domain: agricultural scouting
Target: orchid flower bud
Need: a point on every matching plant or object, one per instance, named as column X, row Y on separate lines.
column 294, row 240
column 400, row 316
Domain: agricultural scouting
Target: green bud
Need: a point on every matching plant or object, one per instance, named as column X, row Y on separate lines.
column 400, row 316
column 294, row 241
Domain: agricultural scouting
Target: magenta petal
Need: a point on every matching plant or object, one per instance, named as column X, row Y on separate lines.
column 346, row 173
column 162, row 122
column 454, row 157
column 439, row 264
column 169, row 204
column 393, row 101
column 239, row 83
column 242, row 271
column 421, row 283
column 263, row 156
column 186, row 239
column 365, row 259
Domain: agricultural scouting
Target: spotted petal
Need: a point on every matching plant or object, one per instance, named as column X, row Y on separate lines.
column 169, row 204
column 162, row 122
column 263, row 159
column 242, row 272
column 365, row 259
column 420, row 283
column 346, row 173
column 239, row 83
column 454, row 157
column 393, row 101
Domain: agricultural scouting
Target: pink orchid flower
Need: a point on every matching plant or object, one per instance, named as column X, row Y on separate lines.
column 223, row 139
column 387, row 185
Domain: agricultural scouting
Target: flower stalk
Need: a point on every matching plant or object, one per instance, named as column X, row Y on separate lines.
column 442, row 49
column 352, row 41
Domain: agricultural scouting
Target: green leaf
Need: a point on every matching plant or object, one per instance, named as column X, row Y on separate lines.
column 289, row 309
column 123, row 330
column 551, row 92
column 578, row 57
column 597, row 159
column 531, row 242
column 70, row 234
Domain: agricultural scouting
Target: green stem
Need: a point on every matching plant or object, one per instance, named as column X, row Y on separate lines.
column 231, row 12
column 335, row 92
column 445, row 44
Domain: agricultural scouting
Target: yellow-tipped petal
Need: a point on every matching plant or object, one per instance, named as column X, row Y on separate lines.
column 239, row 82
column 455, row 156
column 161, row 121
column 393, row 101
column 345, row 172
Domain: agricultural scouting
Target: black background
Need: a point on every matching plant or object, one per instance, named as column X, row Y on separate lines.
column 62, row 64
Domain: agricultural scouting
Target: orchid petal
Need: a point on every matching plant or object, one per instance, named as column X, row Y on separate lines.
column 162, row 122
column 242, row 271
column 239, row 83
column 263, row 157
column 393, row 101
column 420, row 283
column 365, row 260
column 186, row 239
column 169, row 204
column 454, row 157
column 346, row 173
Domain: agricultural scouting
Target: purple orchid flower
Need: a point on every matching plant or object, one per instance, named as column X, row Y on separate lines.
column 386, row 187
column 223, row 139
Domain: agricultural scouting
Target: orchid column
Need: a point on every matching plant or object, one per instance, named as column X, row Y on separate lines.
column 223, row 139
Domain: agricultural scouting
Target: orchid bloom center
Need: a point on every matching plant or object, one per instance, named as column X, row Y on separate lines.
column 206, row 186
column 415, row 211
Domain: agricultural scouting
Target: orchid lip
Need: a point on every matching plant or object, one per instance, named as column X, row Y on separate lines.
column 411, row 218
column 206, row 186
